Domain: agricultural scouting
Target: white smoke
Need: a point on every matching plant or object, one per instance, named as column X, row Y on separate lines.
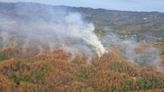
column 148, row 56
column 48, row 29
column 59, row 30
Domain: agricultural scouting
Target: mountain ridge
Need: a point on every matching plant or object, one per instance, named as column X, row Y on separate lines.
column 35, row 3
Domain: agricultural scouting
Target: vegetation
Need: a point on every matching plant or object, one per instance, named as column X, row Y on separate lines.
column 2, row 57
column 57, row 72
column 162, row 52
column 28, row 72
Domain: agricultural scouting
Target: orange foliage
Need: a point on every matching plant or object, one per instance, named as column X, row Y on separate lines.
column 59, row 73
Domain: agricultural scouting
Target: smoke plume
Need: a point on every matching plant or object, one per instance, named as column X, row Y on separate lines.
column 48, row 29
column 45, row 29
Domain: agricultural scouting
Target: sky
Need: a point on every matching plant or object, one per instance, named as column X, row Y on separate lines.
column 125, row 5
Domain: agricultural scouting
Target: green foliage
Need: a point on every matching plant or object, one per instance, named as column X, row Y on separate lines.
column 26, row 79
column 46, row 69
column 35, row 76
column 127, row 85
column 74, row 61
column 111, row 89
column 162, row 52
column 82, row 75
column 157, row 83
column 39, row 75
column 149, row 83
column 119, row 68
column 2, row 57
column 144, row 84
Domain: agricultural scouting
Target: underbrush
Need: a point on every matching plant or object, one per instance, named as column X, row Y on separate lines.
column 59, row 73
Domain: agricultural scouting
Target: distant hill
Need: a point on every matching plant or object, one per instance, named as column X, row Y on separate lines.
column 142, row 25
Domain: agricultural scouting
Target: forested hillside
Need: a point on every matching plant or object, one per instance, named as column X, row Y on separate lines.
column 45, row 48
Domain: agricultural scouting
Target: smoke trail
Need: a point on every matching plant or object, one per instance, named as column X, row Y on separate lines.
column 48, row 30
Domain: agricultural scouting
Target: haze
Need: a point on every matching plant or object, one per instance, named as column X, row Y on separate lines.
column 125, row 5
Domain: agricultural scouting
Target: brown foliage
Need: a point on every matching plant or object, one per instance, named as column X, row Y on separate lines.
column 59, row 73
